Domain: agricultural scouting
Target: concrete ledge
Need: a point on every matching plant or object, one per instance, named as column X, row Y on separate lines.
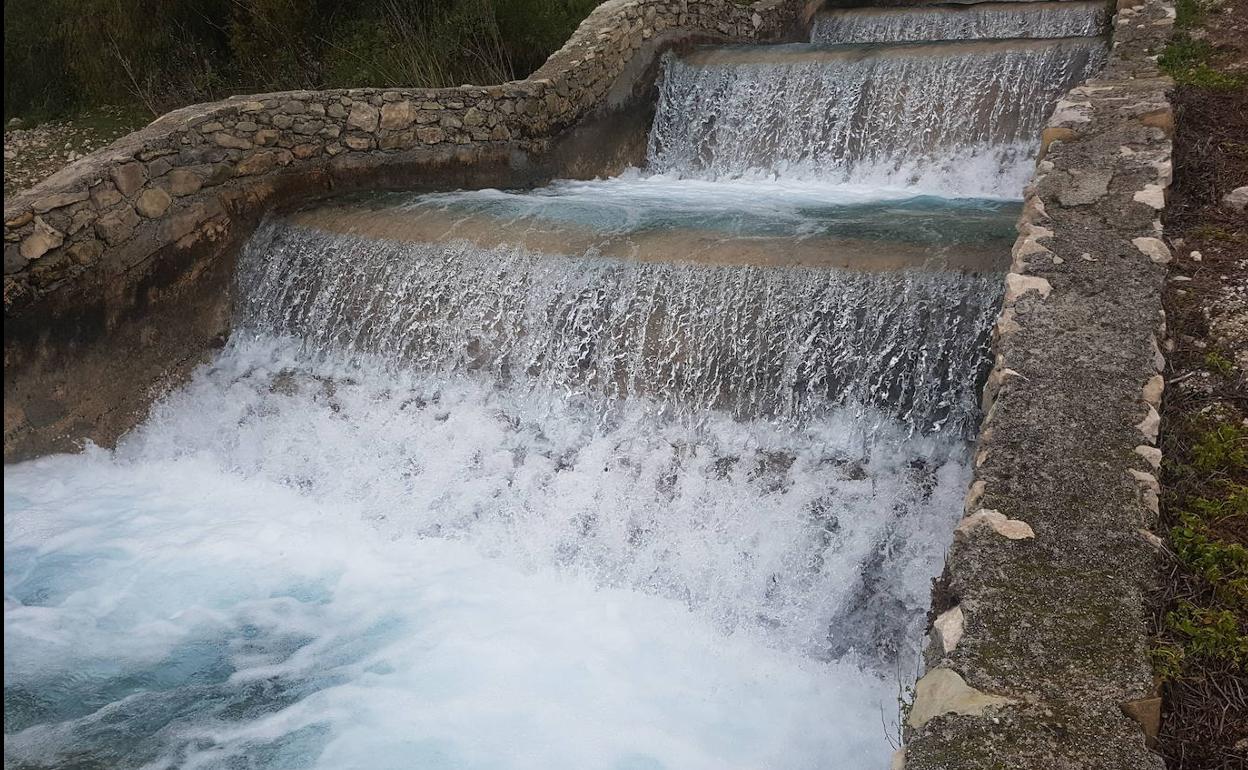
column 117, row 269
column 1042, row 619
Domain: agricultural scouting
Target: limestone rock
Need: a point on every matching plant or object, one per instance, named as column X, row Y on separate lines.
column 128, row 177
column 183, row 181
column 1017, row 285
column 1147, row 713
column 1153, row 389
column 59, row 200
column 898, row 762
column 1237, row 199
column 1151, row 454
column 153, row 202
column 1153, row 195
column 305, row 151
column 398, row 115
column 948, row 628
column 1013, row 529
column 105, row 196
column 21, row 220
column 942, row 691
column 262, row 162
column 117, row 226
column 430, row 135
column 231, row 142
column 42, row 240
column 1150, row 425
column 1153, row 248
column 86, row 252
column 266, row 136
column 364, row 117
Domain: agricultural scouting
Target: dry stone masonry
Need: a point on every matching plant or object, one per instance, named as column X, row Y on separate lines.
column 163, row 183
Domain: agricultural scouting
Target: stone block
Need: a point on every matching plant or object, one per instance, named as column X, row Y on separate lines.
column 153, row 202
column 128, row 177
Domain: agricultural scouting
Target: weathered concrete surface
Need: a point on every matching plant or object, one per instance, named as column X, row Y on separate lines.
column 117, row 269
column 1052, row 618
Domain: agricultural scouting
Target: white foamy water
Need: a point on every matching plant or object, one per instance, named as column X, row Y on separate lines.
column 956, row 120
column 785, row 343
column 317, row 565
column 960, row 22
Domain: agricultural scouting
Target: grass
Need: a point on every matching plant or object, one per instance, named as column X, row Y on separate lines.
column 1201, row 641
column 1191, row 63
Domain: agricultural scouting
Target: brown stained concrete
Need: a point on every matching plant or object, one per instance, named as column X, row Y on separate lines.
column 430, row 225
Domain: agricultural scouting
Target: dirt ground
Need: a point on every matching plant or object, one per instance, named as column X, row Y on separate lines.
column 1202, row 610
column 32, row 153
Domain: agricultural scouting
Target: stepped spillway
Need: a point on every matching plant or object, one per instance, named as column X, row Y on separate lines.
column 969, row 21
column 651, row 471
column 958, row 118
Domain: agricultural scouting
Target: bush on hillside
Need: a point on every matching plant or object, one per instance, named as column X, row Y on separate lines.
column 61, row 56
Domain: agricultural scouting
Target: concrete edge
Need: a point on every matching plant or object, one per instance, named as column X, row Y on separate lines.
column 1038, row 656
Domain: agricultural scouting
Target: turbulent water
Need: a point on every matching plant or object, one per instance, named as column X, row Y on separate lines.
column 753, row 342
column 952, row 119
column 961, row 22
column 620, row 474
column 326, row 565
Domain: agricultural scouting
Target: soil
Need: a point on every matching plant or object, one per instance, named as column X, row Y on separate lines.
column 1205, row 712
column 35, row 153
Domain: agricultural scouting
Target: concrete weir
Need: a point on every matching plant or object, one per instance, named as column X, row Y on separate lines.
column 119, row 278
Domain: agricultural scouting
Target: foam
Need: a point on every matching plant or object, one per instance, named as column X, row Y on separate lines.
column 319, row 564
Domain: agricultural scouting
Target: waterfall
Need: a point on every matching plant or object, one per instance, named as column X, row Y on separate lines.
column 1070, row 18
column 959, row 118
column 789, row 343
column 644, row 472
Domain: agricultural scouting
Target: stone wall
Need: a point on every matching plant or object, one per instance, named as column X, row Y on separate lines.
column 1038, row 655
column 117, row 268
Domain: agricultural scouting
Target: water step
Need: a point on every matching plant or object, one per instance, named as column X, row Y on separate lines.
column 958, row 118
column 936, row 50
column 967, row 21
column 751, row 341
column 972, row 236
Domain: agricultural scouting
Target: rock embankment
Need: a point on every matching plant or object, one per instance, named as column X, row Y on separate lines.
column 160, row 184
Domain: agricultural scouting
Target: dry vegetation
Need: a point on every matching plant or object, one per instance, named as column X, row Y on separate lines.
column 1201, row 650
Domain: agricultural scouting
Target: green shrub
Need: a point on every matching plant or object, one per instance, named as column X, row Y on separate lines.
column 62, row 56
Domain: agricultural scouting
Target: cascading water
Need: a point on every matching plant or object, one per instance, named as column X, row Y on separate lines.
column 960, row 118
column 649, row 472
column 788, row 344
column 1068, row 18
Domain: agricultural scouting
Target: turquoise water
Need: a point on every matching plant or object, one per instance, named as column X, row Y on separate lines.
column 641, row 203
column 297, row 564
